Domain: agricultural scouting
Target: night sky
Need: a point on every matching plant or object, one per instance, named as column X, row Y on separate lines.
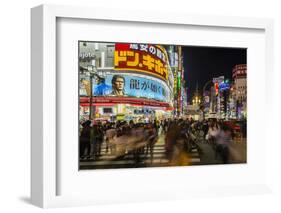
column 201, row 64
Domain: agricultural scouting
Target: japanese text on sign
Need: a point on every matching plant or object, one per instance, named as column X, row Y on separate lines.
column 141, row 57
column 149, row 86
column 134, row 86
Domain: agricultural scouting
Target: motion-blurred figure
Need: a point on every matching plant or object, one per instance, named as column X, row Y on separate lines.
column 85, row 139
column 223, row 141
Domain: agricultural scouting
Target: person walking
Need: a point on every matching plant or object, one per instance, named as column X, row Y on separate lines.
column 85, row 140
column 172, row 135
column 223, row 141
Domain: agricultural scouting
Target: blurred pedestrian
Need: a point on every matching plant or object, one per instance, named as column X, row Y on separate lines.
column 223, row 141
column 172, row 135
column 95, row 141
column 85, row 139
column 205, row 129
column 100, row 136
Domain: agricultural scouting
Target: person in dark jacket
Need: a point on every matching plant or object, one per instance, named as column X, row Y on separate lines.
column 172, row 135
column 85, row 139
column 97, row 139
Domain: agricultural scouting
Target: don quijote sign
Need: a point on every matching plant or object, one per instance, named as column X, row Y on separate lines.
column 146, row 58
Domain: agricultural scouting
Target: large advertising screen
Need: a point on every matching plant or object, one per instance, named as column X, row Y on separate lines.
column 125, row 85
column 147, row 58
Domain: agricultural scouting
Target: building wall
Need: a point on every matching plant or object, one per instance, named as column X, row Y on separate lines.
column 241, row 89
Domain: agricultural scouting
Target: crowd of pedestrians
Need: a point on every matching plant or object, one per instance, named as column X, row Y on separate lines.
column 119, row 138
column 181, row 136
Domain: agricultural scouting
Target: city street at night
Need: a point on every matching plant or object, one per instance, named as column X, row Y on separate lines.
column 206, row 156
column 151, row 105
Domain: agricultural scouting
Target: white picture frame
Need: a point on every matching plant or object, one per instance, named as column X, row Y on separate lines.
column 44, row 116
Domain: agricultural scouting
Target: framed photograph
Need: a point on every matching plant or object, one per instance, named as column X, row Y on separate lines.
column 129, row 106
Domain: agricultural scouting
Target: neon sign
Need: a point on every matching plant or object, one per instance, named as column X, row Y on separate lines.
column 146, row 58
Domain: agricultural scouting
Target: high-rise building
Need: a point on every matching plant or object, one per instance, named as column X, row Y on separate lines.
column 239, row 75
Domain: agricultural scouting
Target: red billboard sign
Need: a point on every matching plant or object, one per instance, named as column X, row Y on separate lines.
column 145, row 58
column 105, row 101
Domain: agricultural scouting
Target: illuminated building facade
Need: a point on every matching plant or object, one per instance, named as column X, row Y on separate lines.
column 123, row 81
column 239, row 75
column 176, row 64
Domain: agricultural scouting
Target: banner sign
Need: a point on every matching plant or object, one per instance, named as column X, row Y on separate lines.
column 123, row 85
column 110, row 101
column 218, row 80
column 146, row 58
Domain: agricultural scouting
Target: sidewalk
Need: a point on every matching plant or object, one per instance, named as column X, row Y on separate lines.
column 237, row 149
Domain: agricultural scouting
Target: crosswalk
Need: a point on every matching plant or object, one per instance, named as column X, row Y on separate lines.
column 158, row 159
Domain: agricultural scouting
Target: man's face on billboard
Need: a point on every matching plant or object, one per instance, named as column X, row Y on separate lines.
column 119, row 84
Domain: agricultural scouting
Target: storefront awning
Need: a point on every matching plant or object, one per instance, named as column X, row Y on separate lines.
column 85, row 101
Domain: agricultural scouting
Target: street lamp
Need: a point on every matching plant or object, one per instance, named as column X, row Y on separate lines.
column 92, row 72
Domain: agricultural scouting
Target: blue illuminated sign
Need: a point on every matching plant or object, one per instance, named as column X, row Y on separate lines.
column 224, row 86
column 130, row 86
